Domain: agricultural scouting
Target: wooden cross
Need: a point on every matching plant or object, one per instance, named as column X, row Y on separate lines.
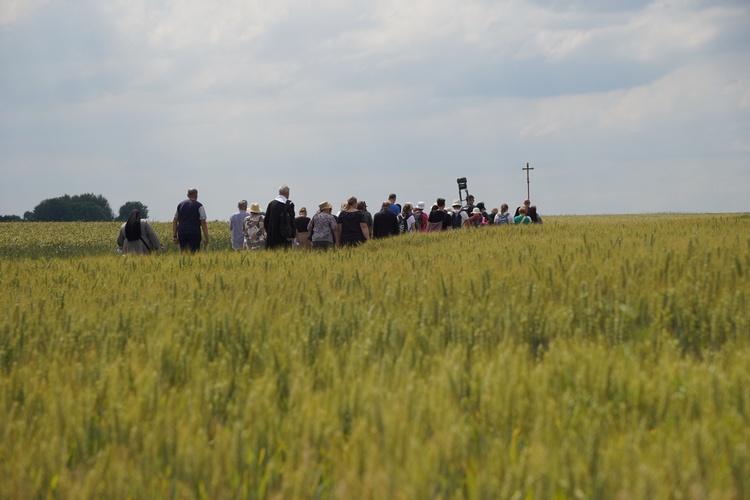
column 528, row 186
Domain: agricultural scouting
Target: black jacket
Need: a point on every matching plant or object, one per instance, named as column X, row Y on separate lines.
column 272, row 223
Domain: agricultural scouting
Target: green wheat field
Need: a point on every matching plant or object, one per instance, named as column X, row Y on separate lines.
column 588, row 357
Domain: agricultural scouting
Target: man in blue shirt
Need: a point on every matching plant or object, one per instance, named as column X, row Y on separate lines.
column 395, row 207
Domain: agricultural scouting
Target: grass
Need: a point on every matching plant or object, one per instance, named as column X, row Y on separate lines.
column 591, row 357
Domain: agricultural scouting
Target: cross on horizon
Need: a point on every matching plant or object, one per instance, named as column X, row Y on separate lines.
column 528, row 185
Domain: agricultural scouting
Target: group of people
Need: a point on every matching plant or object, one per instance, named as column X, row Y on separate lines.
column 355, row 225
column 279, row 227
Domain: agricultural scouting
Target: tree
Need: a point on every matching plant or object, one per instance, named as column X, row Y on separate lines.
column 9, row 218
column 129, row 206
column 85, row 207
column 53, row 209
column 89, row 200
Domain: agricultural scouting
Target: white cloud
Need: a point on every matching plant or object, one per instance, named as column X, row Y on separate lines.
column 12, row 11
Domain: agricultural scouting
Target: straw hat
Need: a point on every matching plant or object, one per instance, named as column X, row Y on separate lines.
column 255, row 208
column 324, row 205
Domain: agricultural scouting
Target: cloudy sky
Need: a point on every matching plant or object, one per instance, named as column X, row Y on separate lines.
column 620, row 107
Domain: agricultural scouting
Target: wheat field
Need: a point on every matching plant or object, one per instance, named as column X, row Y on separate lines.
column 588, row 357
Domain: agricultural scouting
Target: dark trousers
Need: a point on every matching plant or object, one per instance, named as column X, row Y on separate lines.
column 189, row 241
column 321, row 245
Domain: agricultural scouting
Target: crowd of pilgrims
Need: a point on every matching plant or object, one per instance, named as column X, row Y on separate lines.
column 353, row 224
column 279, row 227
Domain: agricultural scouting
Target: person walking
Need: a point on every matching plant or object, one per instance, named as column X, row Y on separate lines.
column 406, row 219
column 385, row 222
column 522, row 218
column 439, row 219
column 352, row 229
column 188, row 221
column 420, row 218
column 300, row 224
column 504, row 217
column 137, row 236
column 253, row 229
column 476, row 219
column 236, row 222
column 279, row 220
column 323, row 227
column 362, row 207
column 459, row 218
column 395, row 207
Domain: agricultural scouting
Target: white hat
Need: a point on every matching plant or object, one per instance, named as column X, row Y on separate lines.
column 476, row 211
column 420, row 205
column 456, row 203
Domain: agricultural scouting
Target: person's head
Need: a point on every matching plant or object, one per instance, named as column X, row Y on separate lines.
column 324, row 206
column 351, row 202
column 440, row 203
column 284, row 190
column 192, row 194
column 476, row 211
column 494, row 211
column 527, row 203
column 456, row 205
column 134, row 217
column 255, row 208
column 504, row 208
column 303, row 212
column 420, row 207
column 406, row 209
column 470, row 198
column 480, row 205
column 522, row 210
column 386, row 206
column 133, row 225
column 362, row 206
column 242, row 205
column 392, row 198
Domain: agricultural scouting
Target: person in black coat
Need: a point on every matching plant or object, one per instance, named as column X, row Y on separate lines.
column 274, row 219
column 385, row 222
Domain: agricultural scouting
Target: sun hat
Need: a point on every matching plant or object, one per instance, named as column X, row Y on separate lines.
column 255, row 208
column 476, row 211
column 324, row 205
column 420, row 205
column 456, row 203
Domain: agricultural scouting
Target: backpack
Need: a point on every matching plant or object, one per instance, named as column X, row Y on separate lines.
column 286, row 222
column 402, row 223
column 456, row 219
column 418, row 222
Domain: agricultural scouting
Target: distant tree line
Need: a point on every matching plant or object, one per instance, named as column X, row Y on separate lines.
column 84, row 207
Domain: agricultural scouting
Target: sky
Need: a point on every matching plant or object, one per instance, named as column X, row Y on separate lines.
column 619, row 107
